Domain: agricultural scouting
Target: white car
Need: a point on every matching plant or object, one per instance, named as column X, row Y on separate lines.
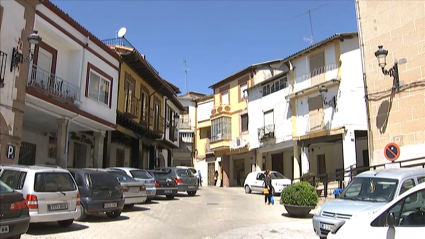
column 51, row 192
column 402, row 218
column 141, row 176
column 254, row 182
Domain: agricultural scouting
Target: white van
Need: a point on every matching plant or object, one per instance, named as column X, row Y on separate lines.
column 51, row 192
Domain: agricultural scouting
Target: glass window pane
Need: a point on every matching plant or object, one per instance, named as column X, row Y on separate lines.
column 94, row 86
column 104, row 92
column 225, row 98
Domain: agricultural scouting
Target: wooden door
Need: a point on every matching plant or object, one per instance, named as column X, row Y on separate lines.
column 321, row 164
column 211, row 170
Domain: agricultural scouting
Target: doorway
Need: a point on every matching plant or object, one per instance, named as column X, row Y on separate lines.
column 80, row 155
column 211, row 170
column 277, row 162
column 321, row 164
column 27, row 153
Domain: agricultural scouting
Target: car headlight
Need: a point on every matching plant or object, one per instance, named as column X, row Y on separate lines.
column 318, row 210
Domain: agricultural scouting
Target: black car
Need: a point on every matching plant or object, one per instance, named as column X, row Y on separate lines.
column 164, row 183
column 100, row 192
column 14, row 213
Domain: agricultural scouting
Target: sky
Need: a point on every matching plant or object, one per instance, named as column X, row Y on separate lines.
column 216, row 38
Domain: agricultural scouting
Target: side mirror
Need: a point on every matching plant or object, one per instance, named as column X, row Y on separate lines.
column 391, row 219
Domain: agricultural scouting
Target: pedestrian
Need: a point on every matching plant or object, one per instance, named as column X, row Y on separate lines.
column 215, row 177
column 267, row 188
column 200, row 178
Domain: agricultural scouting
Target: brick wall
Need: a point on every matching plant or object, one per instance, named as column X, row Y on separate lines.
column 400, row 27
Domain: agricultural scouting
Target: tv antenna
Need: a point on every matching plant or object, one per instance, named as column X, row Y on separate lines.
column 185, row 74
column 311, row 39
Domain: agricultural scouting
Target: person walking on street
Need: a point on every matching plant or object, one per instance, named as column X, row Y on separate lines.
column 215, row 177
column 200, row 178
column 267, row 188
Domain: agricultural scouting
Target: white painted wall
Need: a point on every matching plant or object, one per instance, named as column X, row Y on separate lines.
column 167, row 129
column 257, row 105
column 13, row 24
column 265, row 72
column 73, row 60
column 204, row 110
column 192, row 111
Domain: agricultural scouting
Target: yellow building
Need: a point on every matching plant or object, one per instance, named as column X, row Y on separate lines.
column 229, row 127
column 147, row 114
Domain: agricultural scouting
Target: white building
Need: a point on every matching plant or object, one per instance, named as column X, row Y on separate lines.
column 71, row 89
column 16, row 24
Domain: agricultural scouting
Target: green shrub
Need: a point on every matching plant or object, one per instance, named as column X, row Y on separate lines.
column 308, row 177
column 299, row 194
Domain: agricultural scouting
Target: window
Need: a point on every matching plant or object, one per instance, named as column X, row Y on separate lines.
column 99, row 88
column 1, row 15
column 186, row 110
column 141, row 174
column 4, row 188
column 54, row 182
column 156, row 115
column 103, row 180
column 14, row 179
column 317, row 62
column 408, row 184
column 243, row 91
column 244, row 123
column 221, row 129
column 225, row 98
column 144, row 102
column 275, row 86
column 129, row 93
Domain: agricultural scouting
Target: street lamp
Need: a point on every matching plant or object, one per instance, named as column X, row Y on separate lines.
column 18, row 58
column 332, row 102
column 381, row 55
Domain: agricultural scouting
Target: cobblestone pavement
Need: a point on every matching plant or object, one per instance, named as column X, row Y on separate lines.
column 212, row 213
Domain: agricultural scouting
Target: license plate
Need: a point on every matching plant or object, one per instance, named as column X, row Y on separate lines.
column 109, row 205
column 134, row 189
column 191, row 186
column 168, row 191
column 326, row 227
column 56, row 207
column 4, row 229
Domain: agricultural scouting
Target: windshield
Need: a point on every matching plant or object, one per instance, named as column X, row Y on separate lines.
column 370, row 189
column 277, row 175
column 162, row 176
column 140, row 174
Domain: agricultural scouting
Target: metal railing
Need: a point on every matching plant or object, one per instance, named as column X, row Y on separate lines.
column 131, row 105
column 266, row 132
column 121, row 41
column 184, row 123
column 351, row 172
column 221, row 136
column 53, row 86
column 316, row 76
column 3, row 60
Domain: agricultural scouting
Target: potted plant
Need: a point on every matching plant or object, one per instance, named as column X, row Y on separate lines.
column 313, row 180
column 299, row 198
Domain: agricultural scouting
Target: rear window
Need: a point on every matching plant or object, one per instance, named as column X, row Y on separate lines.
column 124, row 178
column 184, row 173
column 162, row 176
column 54, row 182
column 14, row 179
column 4, row 188
column 140, row 174
column 98, row 180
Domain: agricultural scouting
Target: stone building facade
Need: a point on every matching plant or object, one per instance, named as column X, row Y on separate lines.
column 395, row 115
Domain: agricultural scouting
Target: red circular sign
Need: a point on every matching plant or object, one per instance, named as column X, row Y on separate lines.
column 392, row 152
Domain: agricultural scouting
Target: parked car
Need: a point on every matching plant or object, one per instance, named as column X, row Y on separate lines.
column 193, row 170
column 164, row 183
column 15, row 217
column 186, row 181
column 368, row 192
column 134, row 191
column 141, row 176
column 402, row 218
column 51, row 192
column 254, row 182
column 101, row 192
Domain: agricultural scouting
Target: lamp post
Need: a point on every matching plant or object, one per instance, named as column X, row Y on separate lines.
column 381, row 55
column 17, row 57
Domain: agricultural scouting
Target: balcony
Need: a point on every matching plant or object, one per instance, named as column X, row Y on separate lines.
column 221, row 110
column 208, row 148
column 120, row 41
column 185, row 123
column 324, row 75
column 131, row 107
column 266, row 132
column 53, row 86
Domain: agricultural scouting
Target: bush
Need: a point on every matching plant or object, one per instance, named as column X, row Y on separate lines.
column 310, row 177
column 299, row 194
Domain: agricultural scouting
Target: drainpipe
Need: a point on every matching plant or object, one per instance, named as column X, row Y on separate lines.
column 369, row 133
column 67, row 137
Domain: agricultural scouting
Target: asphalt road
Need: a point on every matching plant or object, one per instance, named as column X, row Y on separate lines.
column 213, row 213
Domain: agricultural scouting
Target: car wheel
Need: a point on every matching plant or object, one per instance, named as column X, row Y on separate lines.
column 148, row 200
column 247, row 189
column 83, row 214
column 66, row 223
column 322, row 237
column 192, row 193
column 129, row 206
column 169, row 197
column 114, row 214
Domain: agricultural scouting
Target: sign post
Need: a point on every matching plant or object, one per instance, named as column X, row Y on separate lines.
column 392, row 153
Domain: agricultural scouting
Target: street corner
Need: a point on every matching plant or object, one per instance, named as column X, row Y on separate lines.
column 299, row 229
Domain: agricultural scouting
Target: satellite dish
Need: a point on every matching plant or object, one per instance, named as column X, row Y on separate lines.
column 122, row 32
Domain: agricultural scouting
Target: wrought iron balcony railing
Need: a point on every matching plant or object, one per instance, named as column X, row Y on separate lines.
column 131, row 105
column 53, row 86
column 3, row 60
column 221, row 136
column 266, row 132
column 316, row 76
column 121, row 41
